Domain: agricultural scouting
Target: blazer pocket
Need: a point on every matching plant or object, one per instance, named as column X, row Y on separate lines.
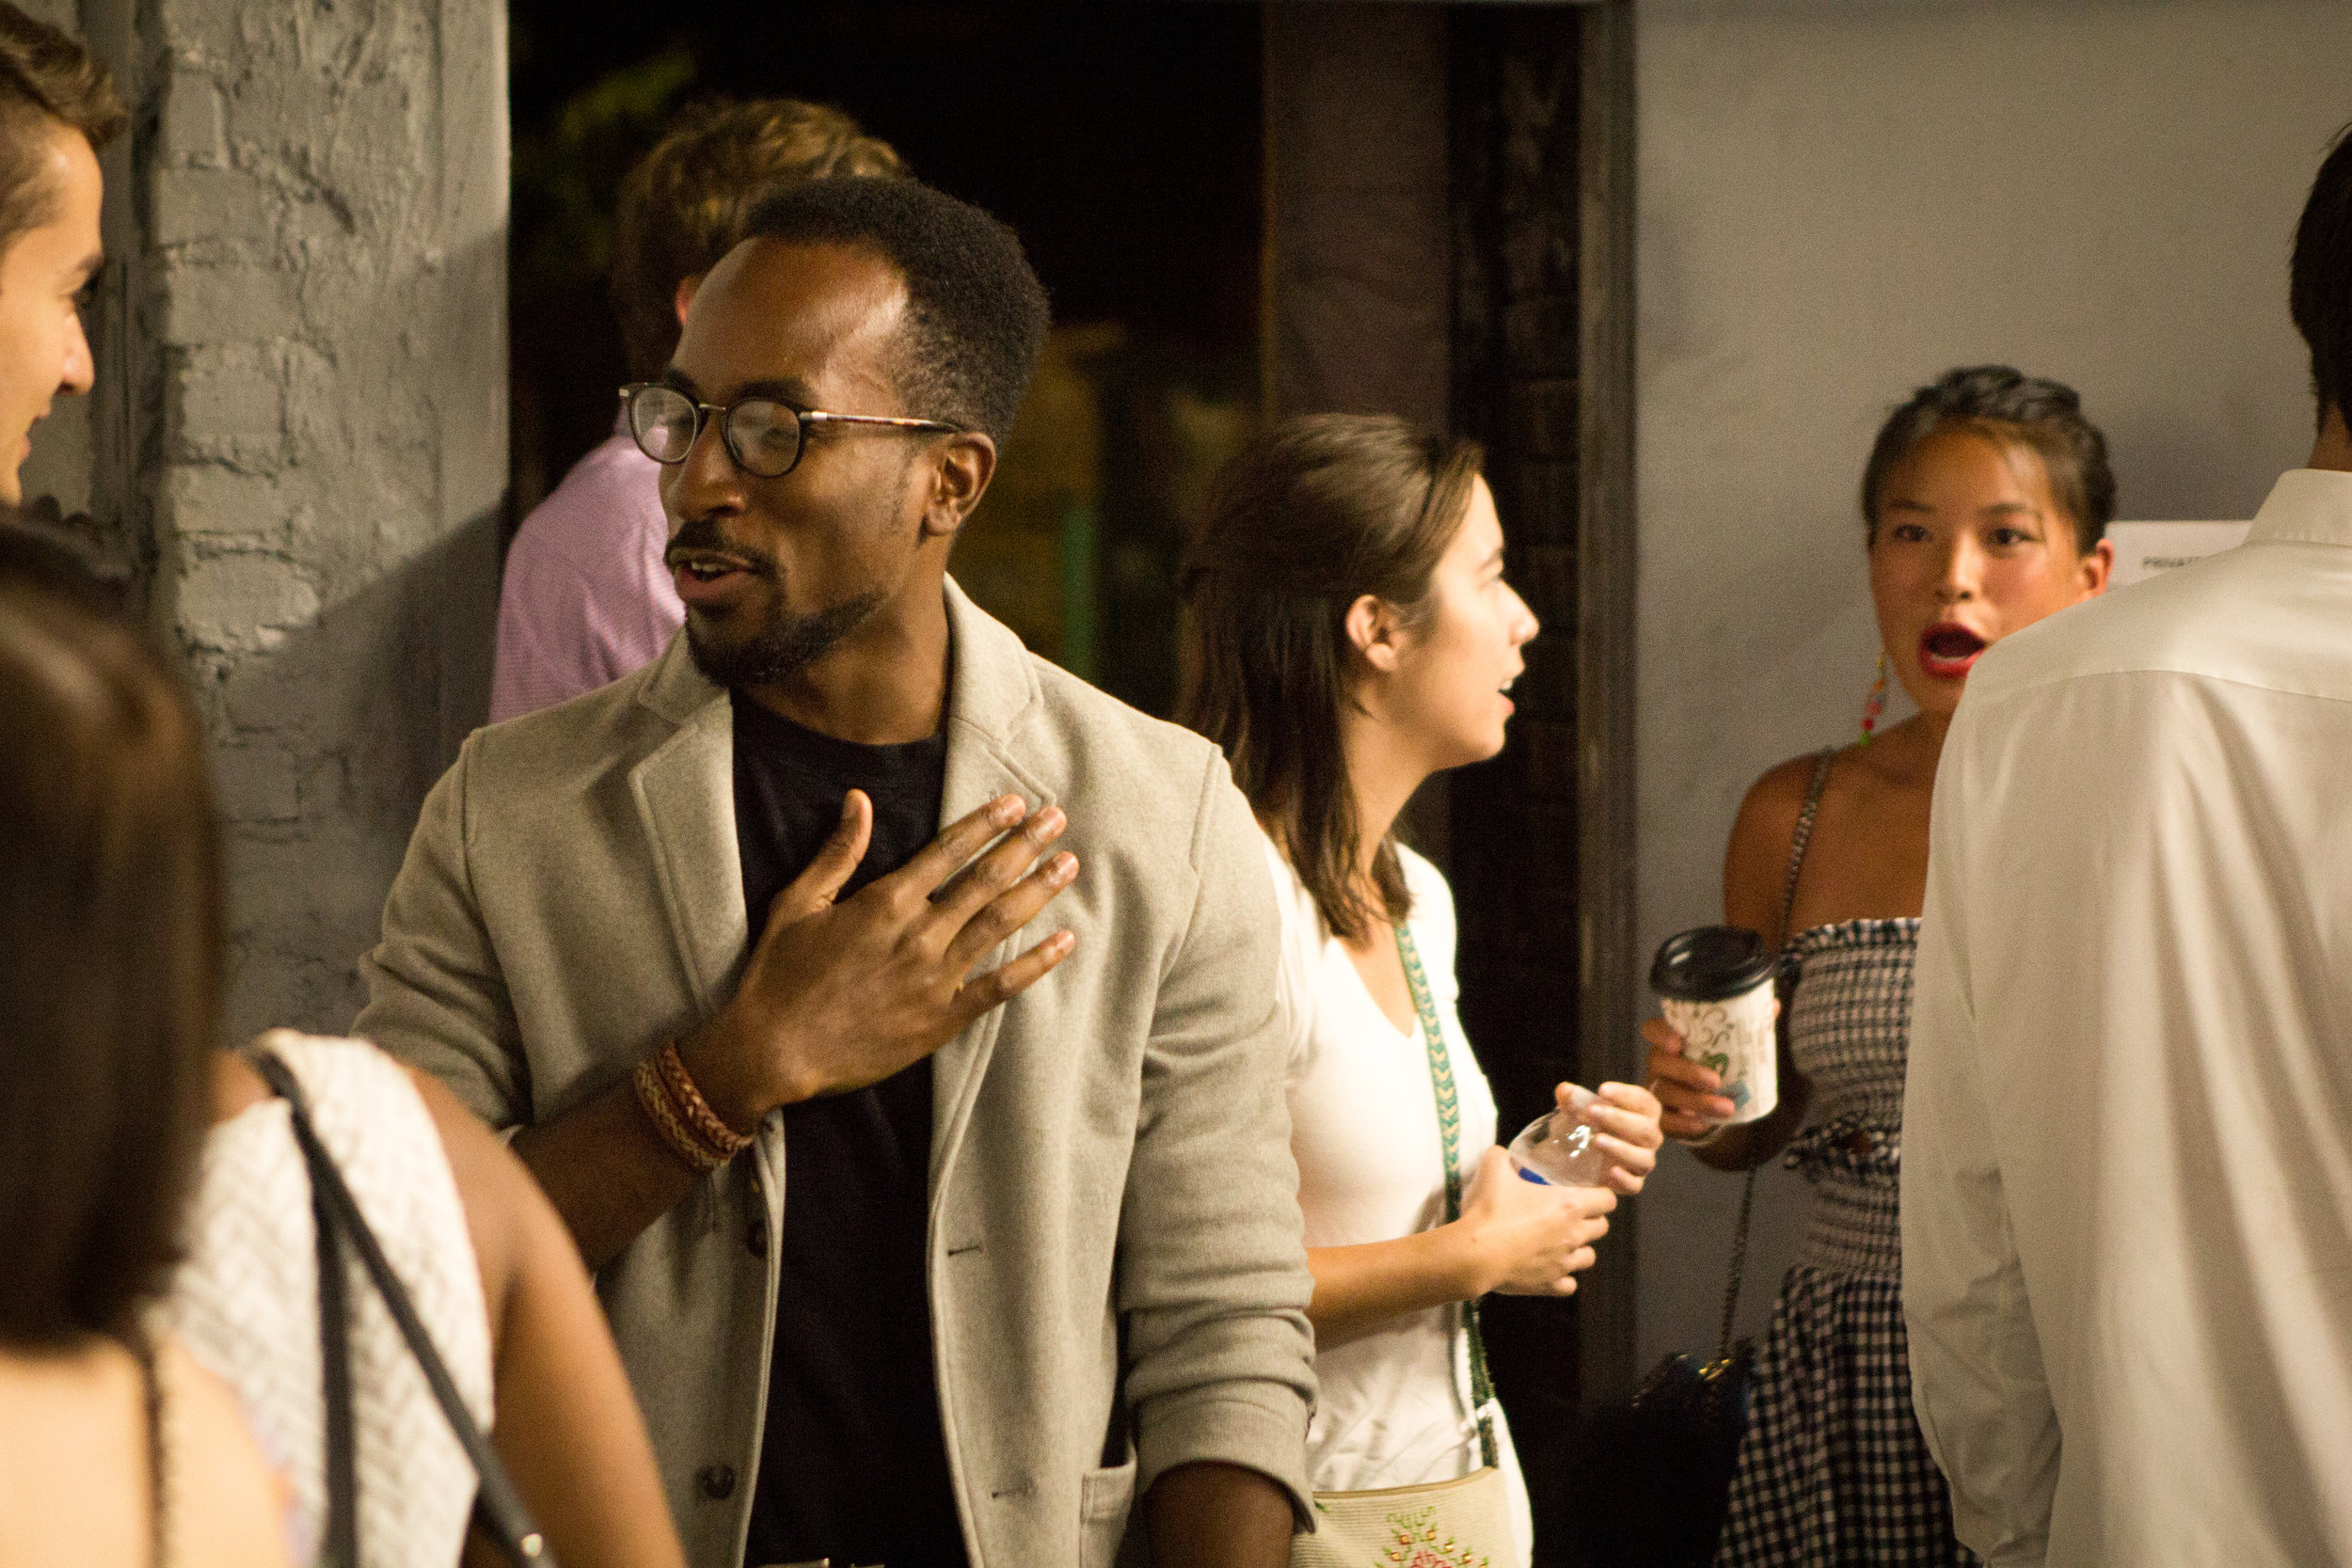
column 1104, row 1498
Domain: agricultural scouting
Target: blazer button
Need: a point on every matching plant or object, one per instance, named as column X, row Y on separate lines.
column 756, row 1235
column 717, row 1482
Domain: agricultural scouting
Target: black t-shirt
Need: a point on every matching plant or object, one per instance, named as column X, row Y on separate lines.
column 854, row 1466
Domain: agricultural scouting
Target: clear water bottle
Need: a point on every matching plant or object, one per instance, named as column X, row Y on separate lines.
column 1556, row 1149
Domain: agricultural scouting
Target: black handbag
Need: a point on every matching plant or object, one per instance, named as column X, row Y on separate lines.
column 1652, row 1475
column 498, row 1510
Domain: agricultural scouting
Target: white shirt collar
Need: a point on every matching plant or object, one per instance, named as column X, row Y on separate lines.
column 2307, row 506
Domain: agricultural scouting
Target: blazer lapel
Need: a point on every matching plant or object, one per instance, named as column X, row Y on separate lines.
column 686, row 798
column 990, row 689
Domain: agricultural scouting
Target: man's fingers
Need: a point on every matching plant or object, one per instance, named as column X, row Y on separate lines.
column 955, row 843
column 1005, row 982
column 1008, row 911
column 821, row 881
column 993, row 872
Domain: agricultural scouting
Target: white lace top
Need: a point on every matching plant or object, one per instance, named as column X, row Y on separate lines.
column 247, row 1299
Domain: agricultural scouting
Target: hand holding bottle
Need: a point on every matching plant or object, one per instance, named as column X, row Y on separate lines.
column 1610, row 1139
column 1528, row 1240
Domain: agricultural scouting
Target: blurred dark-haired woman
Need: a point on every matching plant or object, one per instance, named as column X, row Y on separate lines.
column 112, row 1189
column 114, row 1446
column 1353, row 635
column 1984, row 505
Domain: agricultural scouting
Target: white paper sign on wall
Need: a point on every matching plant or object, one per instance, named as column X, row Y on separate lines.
column 2144, row 549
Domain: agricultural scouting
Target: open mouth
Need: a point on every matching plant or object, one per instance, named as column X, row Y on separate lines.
column 1948, row 650
column 708, row 578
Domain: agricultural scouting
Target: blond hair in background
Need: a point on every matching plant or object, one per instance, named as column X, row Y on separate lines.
column 679, row 207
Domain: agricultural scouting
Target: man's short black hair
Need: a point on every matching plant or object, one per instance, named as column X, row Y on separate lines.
column 975, row 312
column 2319, row 289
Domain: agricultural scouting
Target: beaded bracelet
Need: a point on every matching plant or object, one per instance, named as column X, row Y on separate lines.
column 688, row 1125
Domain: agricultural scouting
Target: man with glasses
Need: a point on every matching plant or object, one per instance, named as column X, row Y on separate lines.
column 881, row 1308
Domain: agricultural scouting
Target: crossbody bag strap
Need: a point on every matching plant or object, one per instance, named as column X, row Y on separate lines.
column 341, row 1548
column 1450, row 1142
column 497, row 1507
column 1803, row 838
column 1798, row 842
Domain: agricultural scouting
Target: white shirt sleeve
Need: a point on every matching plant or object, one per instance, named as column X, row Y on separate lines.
column 1978, row 1382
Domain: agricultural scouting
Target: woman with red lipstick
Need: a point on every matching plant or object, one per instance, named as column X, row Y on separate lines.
column 1984, row 505
column 1355, row 636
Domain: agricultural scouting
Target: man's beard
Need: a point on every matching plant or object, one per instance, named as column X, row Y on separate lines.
column 780, row 647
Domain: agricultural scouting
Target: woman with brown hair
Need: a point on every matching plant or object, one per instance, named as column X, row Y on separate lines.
column 1355, row 635
column 114, row 1446
column 110, row 1186
column 1984, row 504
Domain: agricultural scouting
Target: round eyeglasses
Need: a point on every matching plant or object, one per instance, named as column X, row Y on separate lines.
column 764, row 436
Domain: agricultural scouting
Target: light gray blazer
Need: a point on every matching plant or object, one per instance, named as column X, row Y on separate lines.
column 1114, row 1238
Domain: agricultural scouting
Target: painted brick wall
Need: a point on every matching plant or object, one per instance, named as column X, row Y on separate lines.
column 300, row 431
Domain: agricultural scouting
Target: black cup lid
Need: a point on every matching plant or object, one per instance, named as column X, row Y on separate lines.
column 1709, row 963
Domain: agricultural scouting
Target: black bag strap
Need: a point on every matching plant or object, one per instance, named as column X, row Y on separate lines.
column 1450, row 1141
column 341, row 1549
column 498, row 1509
column 1798, row 842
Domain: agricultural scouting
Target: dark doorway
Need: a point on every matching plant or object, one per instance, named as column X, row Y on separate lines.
column 1123, row 143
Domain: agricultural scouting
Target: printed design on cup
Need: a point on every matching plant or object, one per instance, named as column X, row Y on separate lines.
column 1710, row 1041
column 1735, row 1040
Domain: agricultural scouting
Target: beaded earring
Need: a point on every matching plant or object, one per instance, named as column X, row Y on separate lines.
column 1876, row 706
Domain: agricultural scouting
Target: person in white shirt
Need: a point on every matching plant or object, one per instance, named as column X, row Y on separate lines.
column 1356, row 635
column 2127, row 1194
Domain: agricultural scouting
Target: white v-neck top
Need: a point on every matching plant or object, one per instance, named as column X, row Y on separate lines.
column 2128, row 1156
column 1395, row 1408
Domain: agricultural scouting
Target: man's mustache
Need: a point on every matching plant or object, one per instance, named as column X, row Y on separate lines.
column 700, row 537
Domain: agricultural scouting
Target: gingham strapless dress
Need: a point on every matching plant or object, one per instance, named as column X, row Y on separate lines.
column 1833, row 1469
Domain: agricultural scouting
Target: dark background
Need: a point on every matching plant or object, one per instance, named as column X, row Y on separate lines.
column 1121, row 141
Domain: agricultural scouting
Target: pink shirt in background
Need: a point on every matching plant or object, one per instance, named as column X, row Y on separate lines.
column 586, row 599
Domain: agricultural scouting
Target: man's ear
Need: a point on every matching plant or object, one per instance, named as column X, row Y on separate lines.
column 1372, row 628
column 2097, row 567
column 967, row 461
column 686, row 287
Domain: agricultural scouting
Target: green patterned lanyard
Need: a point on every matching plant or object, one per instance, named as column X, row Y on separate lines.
column 1449, row 1139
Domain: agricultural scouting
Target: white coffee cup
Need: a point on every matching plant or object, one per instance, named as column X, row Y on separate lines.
column 1714, row 985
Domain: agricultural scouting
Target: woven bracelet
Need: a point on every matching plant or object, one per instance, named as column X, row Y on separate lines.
column 707, row 1124
column 663, row 1110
